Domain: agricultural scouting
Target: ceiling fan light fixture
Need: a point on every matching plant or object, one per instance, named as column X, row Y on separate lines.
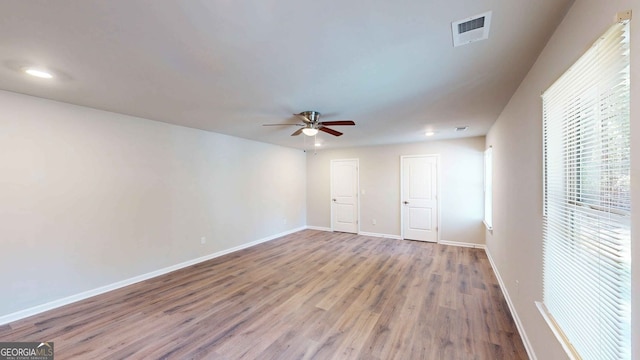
column 309, row 131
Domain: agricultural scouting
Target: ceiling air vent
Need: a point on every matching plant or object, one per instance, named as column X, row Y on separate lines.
column 471, row 29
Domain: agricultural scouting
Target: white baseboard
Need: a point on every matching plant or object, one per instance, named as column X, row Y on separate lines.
column 387, row 236
column 462, row 244
column 516, row 318
column 319, row 228
column 5, row 319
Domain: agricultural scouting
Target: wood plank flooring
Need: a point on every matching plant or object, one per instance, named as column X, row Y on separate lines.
column 309, row 295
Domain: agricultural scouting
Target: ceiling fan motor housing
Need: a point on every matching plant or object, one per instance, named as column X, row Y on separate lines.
column 312, row 116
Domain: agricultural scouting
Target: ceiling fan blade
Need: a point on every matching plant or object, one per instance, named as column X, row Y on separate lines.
column 283, row 125
column 329, row 131
column 337, row 122
column 297, row 132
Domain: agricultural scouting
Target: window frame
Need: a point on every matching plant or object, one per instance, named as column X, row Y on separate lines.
column 488, row 188
column 586, row 201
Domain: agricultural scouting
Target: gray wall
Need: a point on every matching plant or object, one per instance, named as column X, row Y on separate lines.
column 89, row 198
column 516, row 137
column 461, row 186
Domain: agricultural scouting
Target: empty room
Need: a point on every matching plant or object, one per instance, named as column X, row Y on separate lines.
column 319, row 180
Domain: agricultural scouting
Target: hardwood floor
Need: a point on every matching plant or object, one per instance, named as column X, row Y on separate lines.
column 309, row 295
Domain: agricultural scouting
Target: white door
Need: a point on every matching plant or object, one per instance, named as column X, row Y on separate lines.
column 419, row 197
column 344, row 195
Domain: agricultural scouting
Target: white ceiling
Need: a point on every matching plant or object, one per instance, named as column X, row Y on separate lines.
column 230, row 66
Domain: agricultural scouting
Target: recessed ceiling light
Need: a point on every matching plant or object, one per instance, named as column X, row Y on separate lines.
column 38, row 73
column 318, row 144
column 429, row 133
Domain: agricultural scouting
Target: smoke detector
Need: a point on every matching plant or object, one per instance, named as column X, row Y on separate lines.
column 471, row 29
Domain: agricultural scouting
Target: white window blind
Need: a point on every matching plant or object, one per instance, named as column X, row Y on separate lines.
column 587, row 203
column 488, row 188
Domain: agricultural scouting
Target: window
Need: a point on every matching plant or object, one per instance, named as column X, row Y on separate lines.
column 587, row 206
column 488, row 190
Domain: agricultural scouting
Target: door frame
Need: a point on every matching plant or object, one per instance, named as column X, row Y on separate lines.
column 357, row 160
column 438, row 182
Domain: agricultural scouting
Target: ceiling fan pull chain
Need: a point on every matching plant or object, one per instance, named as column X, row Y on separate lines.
column 315, row 142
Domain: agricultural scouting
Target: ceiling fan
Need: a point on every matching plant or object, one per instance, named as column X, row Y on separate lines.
column 311, row 124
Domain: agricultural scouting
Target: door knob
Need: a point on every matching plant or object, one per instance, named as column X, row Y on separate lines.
column 405, row 202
